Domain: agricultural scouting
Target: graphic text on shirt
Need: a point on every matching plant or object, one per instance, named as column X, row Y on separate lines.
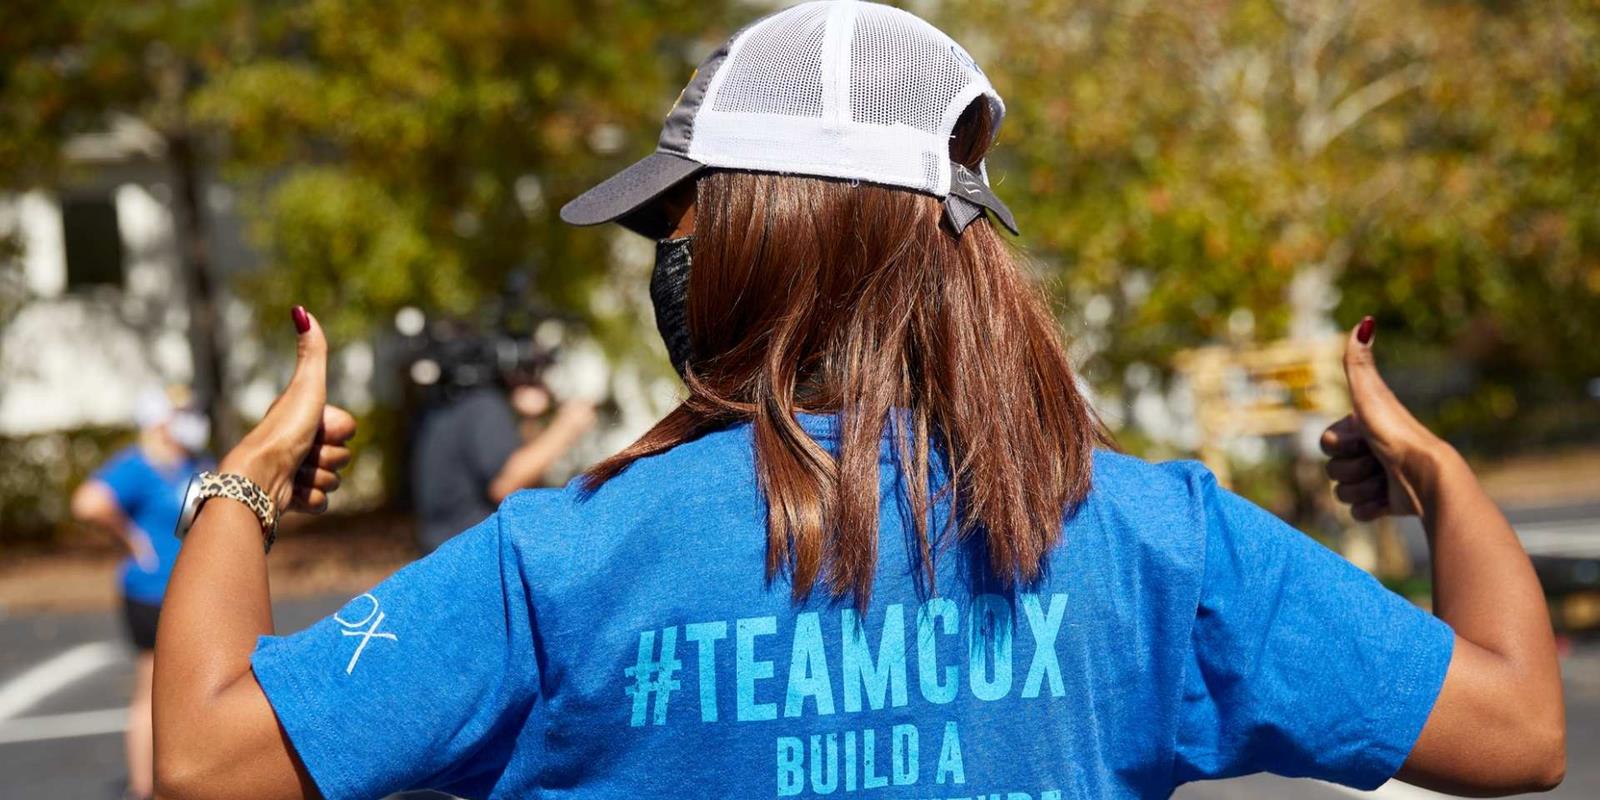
column 836, row 668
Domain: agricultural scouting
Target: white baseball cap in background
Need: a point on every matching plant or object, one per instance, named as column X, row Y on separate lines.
column 834, row 89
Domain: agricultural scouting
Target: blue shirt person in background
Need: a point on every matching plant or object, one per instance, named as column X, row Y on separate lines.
column 137, row 496
column 883, row 548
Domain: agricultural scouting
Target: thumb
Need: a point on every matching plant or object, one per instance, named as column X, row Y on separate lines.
column 302, row 402
column 1375, row 406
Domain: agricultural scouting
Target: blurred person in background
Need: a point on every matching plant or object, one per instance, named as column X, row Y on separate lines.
column 136, row 497
column 480, row 443
column 884, row 546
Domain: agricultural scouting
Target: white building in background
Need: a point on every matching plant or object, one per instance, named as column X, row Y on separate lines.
column 105, row 312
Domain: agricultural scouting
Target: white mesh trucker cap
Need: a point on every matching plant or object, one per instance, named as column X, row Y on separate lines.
column 835, row 89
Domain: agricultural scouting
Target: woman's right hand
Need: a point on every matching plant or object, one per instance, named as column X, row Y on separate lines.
column 1381, row 459
column 1498, row 724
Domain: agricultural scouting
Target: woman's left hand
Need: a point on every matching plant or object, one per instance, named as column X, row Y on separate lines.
column 296, row 451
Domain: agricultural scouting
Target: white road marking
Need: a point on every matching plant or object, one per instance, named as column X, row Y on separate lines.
column 1393, row 790
column 54, row 674
column 64, row 726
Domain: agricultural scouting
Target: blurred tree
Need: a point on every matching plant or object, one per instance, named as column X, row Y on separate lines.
column 1198, row 171
column 416, row 153
column 72, row 67
column 1194, row 170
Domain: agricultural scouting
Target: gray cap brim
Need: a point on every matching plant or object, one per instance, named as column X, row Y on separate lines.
column 628, row 196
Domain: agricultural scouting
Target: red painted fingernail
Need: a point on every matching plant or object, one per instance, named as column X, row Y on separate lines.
column 302, row 321
column 1364, row 330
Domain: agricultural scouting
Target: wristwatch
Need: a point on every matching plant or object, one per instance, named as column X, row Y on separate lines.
column 206, row 485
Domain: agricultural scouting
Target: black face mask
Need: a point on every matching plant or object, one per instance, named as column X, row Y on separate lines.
column 669, row 293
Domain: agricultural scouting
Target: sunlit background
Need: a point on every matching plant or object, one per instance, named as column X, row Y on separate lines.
column 1213, row 191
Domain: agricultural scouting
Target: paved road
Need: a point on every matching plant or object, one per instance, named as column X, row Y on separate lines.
column 59, row 725
column 68, row 743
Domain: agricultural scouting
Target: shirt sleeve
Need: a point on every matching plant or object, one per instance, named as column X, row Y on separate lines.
column 1300, row 663
column 127, row 482
column 423, row 682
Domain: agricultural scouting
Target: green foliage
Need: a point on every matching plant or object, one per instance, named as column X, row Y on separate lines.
column 40, row 474
column 1185, row 172
column 415, row 153
column 355, row 237
column 1430, row 161
column 69, row 67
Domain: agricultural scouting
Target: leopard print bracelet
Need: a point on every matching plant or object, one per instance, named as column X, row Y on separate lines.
column 243, row 490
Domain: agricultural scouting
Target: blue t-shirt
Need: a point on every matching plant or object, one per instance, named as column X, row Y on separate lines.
column 151, row 496
column 627, row 645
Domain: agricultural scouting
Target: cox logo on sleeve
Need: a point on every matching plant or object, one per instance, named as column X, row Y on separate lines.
column 361, row 617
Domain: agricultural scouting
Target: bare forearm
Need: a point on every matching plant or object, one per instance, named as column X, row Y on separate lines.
column 95, row 506
column 527, row 466
column 1484, row 584
column 217, row 604
column 1499, row 724
column 523, row 469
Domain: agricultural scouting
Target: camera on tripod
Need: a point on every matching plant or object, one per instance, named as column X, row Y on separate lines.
column 510, row 343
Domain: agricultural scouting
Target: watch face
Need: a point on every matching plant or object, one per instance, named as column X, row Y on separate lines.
column 191, row 506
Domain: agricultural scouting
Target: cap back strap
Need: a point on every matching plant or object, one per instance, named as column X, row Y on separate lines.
column 969, row 197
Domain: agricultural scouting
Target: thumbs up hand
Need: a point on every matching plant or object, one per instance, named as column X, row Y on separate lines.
column 1379, row 455
column 296, row 451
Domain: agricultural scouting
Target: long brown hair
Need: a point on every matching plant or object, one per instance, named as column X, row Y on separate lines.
column 809, row 294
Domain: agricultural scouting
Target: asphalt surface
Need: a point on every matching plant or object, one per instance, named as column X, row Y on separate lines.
column 60, row 724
